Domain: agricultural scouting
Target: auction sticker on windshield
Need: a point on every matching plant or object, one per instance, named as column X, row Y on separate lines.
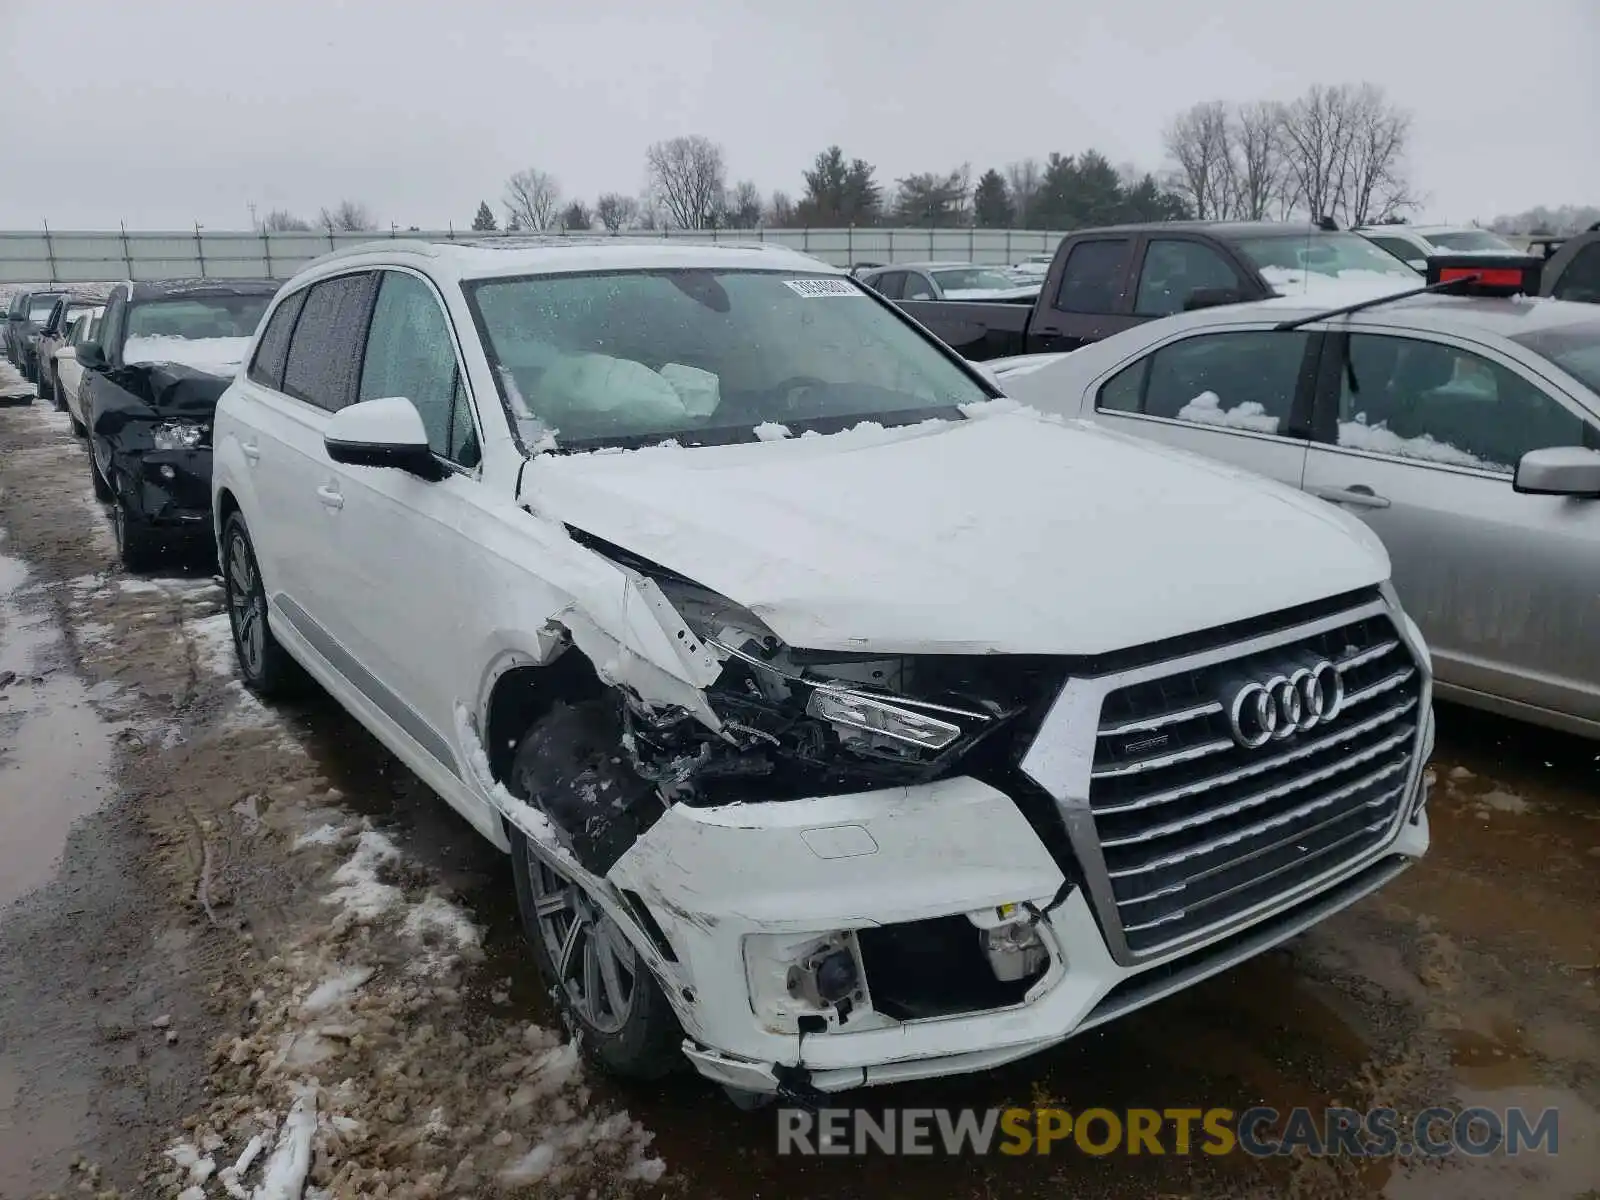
column 814, row 289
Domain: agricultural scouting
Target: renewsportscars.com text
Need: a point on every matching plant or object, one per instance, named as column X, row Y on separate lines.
column 1259, row 1132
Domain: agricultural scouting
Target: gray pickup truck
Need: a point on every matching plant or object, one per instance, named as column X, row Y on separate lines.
column 1103, row 281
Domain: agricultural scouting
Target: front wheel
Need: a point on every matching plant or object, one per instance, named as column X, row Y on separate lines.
column 102, row 489
column 604, row 987
column 138, row 546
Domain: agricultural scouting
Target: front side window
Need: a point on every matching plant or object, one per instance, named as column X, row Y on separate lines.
column 1091, row 282
column 890, row 284
column 705, row 355
column 917, row 286
column 1243, row 380
column 1581, row 278
column 1574, row 348
column 1440, row 404
column 1174, row 271
column 410, row 353
column 1400, row 248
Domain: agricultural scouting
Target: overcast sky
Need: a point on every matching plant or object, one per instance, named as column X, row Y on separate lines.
column 164, row 112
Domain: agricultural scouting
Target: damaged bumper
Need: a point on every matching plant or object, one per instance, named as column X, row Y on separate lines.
column 837, row 942
column 169, row 490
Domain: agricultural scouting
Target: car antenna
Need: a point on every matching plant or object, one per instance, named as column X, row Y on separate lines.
column 1371, row 302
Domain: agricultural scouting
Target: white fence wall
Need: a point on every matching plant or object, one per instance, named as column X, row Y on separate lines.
column 83, row 257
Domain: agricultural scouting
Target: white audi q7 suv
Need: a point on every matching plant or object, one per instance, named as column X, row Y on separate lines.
column 845, row 722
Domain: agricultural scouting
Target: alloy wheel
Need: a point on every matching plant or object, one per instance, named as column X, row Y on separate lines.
column 595, row 965
column 245, row 607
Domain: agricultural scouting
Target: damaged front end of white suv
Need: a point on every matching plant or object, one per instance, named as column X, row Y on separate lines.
column 846, row 866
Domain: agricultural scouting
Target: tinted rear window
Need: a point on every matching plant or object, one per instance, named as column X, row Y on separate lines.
column 1092, row 280
column 325, row 352
column 273, row 349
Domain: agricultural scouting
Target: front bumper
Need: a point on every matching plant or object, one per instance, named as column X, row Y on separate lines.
column 742, row 901
column 714, row 879
column 168, row 489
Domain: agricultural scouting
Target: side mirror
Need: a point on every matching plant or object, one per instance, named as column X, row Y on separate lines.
column 1559, row 471
column 1212, row 298
column 386, row 432
column 91, row 357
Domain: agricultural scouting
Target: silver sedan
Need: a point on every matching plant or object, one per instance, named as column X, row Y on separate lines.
column 1463, row 430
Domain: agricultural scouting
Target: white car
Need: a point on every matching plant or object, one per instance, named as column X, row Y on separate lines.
column 67, row 375
column 844, row 725
column 1413, row 244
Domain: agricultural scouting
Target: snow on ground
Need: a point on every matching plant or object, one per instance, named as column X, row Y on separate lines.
column 361, row 1075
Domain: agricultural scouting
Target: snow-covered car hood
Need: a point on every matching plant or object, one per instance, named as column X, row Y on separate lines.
column 1008, row 533
column 215, row 355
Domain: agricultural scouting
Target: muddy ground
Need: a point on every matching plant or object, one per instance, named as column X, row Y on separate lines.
column 225, row 926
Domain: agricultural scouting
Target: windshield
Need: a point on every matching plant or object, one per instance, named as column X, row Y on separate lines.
column 195, row 317
column 1332, row 255
column 704, row 356
column 1471, row 240
column 1573, row 348
column 965, row 279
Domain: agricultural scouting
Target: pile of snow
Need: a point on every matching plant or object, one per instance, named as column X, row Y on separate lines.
column 1379, row 439
column 1206, row 409
column 359, row 1074
column 217, row 355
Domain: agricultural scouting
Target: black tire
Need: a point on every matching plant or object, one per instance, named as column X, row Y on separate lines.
column 102, row 489
column 264, row 665
column 138, row 546
column 575, row 746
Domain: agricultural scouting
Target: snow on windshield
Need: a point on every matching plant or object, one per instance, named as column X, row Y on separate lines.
column 648, row 356
column 1206, row 409
column 1294, row 261
column 1472, row 241
column 218, row 355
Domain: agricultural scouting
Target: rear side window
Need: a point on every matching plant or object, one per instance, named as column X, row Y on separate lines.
column 272, row 351
column 325, row 351
column 1091, row 282
column 1243, row 380
column 1581, row 279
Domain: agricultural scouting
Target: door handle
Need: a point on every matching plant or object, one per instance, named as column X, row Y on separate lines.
column 251, row 452
column 1357, row 495
column 330, row 497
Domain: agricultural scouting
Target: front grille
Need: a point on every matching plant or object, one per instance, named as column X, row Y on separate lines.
column 1195, row 828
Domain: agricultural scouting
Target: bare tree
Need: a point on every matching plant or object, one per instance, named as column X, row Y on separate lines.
column 780, row 211
column 1200, row 141
column 348, row 216
column 1258, row 166
column 533, row 198
column 742, row 206
column 616, row 211
column 1375, row 186
column 1023, row 180
column 280, row 220
column 688, row 176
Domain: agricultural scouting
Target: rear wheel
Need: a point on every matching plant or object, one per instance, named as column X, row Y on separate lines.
column 266, row 667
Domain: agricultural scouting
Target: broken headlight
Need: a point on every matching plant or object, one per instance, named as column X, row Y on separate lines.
column 177, row 435
column 822, row 721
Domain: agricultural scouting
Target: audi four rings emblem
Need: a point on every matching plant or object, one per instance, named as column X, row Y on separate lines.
column 1286, row 704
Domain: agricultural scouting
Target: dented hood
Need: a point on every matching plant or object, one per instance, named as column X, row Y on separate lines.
column 1007, row 533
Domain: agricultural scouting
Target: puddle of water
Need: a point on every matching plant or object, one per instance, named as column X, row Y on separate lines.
column 55, row 751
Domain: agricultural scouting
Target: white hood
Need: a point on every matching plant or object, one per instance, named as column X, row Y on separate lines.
column 214, row 355
column 1008, row 533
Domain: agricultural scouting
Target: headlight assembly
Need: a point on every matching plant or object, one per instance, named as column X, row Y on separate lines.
column 177, row 435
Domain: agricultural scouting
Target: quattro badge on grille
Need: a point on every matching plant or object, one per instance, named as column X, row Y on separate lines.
column 1272, row 709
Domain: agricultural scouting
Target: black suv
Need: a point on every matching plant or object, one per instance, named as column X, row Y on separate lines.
column 29, row 311
column 1573, row 271
column 164, row 354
